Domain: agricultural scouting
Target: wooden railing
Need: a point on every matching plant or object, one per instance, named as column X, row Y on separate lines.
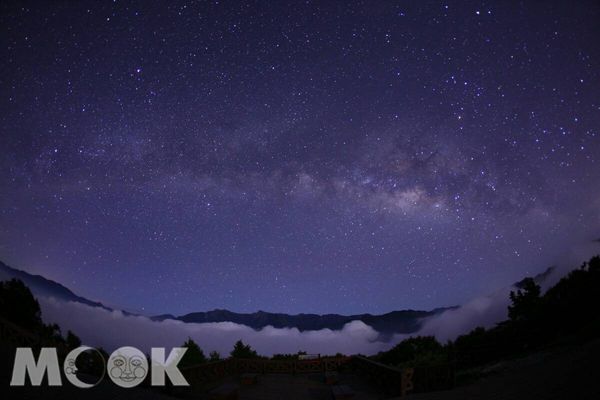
column 209, row 372
column 217, row 370
column 386, row 379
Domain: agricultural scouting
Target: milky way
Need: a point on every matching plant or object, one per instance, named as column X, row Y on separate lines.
column 297, row 157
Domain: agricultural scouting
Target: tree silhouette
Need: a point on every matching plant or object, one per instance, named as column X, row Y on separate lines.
column 526, row 302
column 566, row 313
column 241, row 350
column 72, row 340
column 194, row 354
column 415, row 350
column 214, row 356
column 18, row 305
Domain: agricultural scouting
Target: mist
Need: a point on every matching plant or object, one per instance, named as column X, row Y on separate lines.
column 99, row 327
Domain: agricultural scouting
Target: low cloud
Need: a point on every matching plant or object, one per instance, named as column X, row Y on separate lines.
column 483, row 311
column 112, row 329
column 487, row 311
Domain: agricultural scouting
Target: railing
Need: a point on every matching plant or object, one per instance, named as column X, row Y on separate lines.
column 209, row 372
column 389, row 380
column 217, row 370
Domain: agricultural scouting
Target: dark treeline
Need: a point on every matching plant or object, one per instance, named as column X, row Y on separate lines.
column 566, row 313
column 19, row 306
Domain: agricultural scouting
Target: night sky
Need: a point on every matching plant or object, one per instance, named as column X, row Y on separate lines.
column 309, row 156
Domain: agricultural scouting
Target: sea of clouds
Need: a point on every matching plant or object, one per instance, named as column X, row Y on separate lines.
column 111, row 329
column 99, row 327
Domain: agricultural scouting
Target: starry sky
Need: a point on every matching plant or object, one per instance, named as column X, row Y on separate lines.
column 305, row 156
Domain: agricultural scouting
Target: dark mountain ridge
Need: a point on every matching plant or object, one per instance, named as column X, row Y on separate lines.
column 45, row 287
column 402, row 321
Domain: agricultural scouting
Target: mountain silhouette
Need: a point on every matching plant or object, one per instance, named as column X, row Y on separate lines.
column 41, row 286
column 402, row 321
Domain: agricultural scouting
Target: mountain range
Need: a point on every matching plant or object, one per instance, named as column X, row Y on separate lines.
column 403, row 321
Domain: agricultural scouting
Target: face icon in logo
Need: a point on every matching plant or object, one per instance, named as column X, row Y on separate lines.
column 72, row 372
column 70, row 367
column 127, row 366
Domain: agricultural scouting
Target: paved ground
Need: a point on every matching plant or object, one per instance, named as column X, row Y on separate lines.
column 567, row 373
column 103, row 391
column 300, row 387
column 269, row 387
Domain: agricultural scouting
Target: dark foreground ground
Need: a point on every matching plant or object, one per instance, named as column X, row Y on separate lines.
column 571, row 372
